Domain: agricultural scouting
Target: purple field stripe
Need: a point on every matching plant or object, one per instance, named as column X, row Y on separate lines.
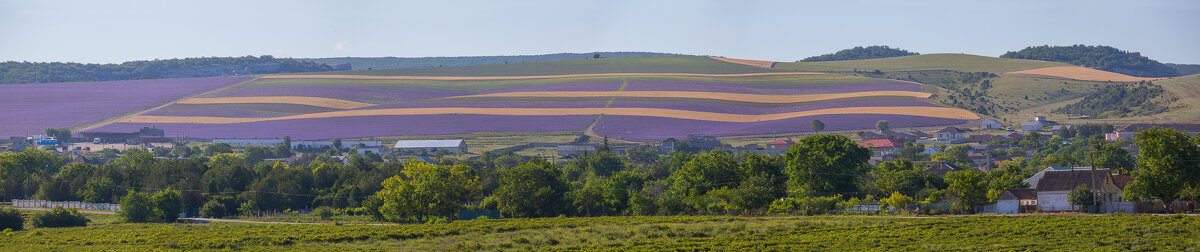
column 642, row 128
column 28, row 109
column 367, row 126
column 491, row 104
column 359, row 94
column 730, row 108
column 779, row 90
column 591, row 86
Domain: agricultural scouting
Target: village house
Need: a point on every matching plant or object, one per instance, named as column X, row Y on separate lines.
column 1128, row 131
column 1053, row 187
column 882, row 147
column 940, row 168
column 901, row 136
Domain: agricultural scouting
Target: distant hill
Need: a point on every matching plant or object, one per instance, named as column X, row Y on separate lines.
column 1185, row 69
column 1104, row 58
column 41, row 72
column 364, row 63
column 858, row 53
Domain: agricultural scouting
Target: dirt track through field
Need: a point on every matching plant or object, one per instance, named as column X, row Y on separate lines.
column 754, row 63
column 456, row 78
column 302, row 100
column 939, row 112
column 755, row 98
column 1082, row 73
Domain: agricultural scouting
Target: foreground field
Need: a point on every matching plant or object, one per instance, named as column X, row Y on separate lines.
column 1045, row 232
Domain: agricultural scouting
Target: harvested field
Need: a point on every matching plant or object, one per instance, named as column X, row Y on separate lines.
column 757, row 63
column 302, row 100
column 1082, row 73
column 938, row 112
column 454, row 78
column 757, row 98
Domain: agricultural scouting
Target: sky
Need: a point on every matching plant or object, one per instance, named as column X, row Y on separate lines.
column 117, row 31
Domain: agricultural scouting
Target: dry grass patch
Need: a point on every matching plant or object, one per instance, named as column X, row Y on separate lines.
column 302, row 100
column 1082, row 73
column 939, row 112
column 755, row 98
column 756, row 63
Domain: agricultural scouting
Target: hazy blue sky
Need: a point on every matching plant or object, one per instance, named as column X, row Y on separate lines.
column 115, row 31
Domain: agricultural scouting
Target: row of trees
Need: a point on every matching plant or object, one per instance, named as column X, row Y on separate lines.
column 1103, row 57
column 858, row 52
column 819, row 173
column 39, row 72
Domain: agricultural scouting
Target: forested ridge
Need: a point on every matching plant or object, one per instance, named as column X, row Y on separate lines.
column 41, row 72
column 1104, row 58
column 858, row 53
column 1120, row 101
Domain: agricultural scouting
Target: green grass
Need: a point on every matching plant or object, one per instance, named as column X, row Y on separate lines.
column 665, row 64
column 1184, row 110
column 956, row 62
column 974, row 233
column 488, row 85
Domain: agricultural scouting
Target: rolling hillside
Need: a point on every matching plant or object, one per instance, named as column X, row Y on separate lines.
column 635, row 99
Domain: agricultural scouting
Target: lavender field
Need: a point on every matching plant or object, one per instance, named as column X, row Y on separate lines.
column 628, row 127
column 28, row 109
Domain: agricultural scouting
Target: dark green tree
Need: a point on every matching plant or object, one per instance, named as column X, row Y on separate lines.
column 532, row 189
column 825, row 163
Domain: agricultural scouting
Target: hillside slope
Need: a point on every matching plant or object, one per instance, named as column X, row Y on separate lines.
column 668, row 64
column 943, row 61
column 365, row 63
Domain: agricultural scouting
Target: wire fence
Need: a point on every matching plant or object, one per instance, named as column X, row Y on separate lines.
column 66, row 204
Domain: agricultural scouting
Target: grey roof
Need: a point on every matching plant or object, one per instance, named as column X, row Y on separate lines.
column 1021, row 193
column 1067, row 180
column 453, row 143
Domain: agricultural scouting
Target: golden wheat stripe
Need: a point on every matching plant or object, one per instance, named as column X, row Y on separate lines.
column 756, row 98
column 939, row 112
column 455, row 78
column 302, row 100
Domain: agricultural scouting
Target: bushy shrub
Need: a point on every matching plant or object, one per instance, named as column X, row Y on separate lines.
column 168, row 203
column 325, row 213
column 800, row 205
column 137, row 207
column 11, row 219
column 60, row 217
column 212, row 209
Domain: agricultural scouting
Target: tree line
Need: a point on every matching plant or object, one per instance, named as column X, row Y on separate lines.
column 1121, row 100
column 820, row 173
column 41, row 72
column 859, row 52
column 1104, row 58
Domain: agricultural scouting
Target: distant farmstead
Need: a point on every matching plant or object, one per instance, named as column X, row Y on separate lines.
column 145, row 135
column 453, row 145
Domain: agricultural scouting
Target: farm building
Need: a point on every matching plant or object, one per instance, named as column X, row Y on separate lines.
column 298, row 144
column 780, row 145
column 144, row 135
column 451, row 145
column 576, row 149
column 1014, row 200
column 1031, row 126
column 991, row 124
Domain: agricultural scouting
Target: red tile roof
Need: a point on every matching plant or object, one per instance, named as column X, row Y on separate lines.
column 881, row 143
